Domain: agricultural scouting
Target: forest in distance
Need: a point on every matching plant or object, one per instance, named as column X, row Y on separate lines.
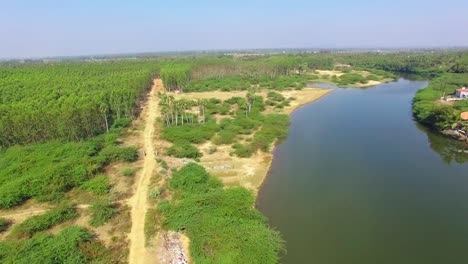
column 63, row 124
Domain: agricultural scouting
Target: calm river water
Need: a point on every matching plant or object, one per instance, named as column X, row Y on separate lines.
column 357, row 181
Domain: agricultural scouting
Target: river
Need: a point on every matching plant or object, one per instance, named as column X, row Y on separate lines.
column 358, row 181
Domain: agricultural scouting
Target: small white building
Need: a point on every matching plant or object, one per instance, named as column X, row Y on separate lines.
column 462, row 93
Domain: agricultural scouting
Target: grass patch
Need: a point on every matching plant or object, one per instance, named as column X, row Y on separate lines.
column 152, row 224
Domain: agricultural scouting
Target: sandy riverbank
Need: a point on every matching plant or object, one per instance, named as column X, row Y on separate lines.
column 247, row 172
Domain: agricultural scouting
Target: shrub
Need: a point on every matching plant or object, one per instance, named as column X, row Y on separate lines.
column 102, row 210
column 128, row 172
column 193, row 133
column 163, row 164
column 275, row 127
column 200, row 207
column 68, row 246
column 113, row 153
column 4, row 224
column 242, row 150
column 183, row 150
column 97, row 185
column 43, row 222
column 276, row 97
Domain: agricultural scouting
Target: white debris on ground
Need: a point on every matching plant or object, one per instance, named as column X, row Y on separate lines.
column 172, row 251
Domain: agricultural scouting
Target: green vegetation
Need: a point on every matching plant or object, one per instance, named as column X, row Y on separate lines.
column 427, row 108
column 46, row 171
column 98, row 185
column 4, row 224
column 71, row 245
column 222, row 224
column 42, row 222
column 192, row 133
column 152, row 222
column 175, row 77
column 128, row 172
column 102, row 210
column 183, row 150
column 68, row 101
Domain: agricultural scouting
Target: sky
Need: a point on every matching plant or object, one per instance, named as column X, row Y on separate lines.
column 50, row 28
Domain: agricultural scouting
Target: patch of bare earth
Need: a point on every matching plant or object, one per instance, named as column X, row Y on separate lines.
column 139, row 202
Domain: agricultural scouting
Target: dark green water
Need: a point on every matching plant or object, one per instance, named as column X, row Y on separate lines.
column 358, row 181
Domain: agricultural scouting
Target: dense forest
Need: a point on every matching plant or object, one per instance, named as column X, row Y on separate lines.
column 69, row 101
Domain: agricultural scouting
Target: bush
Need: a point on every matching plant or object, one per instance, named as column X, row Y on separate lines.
column 43, row 222
column 275, row 127
column 114, row 153
column 202, row 206
column 68, row 246
column 183, row 150
column 128, row 172
column 242, row 150
column 276, row 97
column 102, row 210
column 4, row 224
column 97, row 185
column 193, row 133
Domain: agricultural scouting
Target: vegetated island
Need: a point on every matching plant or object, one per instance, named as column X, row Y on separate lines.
column 74, row 151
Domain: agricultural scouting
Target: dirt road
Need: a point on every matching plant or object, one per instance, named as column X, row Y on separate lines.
column 138, row 202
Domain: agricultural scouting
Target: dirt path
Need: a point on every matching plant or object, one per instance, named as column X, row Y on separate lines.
column 138, row 202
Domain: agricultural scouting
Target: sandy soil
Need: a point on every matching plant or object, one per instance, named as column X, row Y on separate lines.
column 323, row 73
column 138, row 202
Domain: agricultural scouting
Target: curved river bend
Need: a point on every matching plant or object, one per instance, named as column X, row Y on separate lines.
column 358, row 181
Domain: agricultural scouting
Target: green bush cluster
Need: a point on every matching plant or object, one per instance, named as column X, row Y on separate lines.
column 275, row 126
column 243, row 151
column 128, row 172
column 222, row 224
column 275, row 97
column 71, row 245
column 183, row 150
column 42, row 222
column 102, row 210
column 193, row 133
column 46, row 171
column 98, row 185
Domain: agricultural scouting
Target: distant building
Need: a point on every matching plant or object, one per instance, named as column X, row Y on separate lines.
column 462, row 93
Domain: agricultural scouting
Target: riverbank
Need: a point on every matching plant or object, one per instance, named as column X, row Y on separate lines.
column 247, row 172
column 430, row 110
column 352, row 78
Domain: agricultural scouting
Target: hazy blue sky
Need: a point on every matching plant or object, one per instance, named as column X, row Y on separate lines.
column 71, row 27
